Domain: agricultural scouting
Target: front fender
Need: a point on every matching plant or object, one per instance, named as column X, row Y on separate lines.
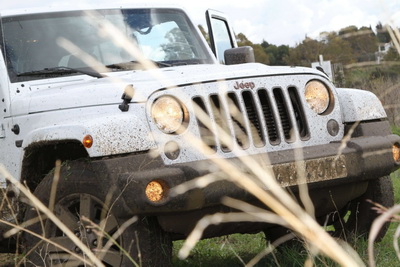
column 360, row 105
column 113, row 134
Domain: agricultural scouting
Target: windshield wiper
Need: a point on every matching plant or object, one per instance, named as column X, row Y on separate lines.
column 131, row 65
column 60, row 71
column 162, row 64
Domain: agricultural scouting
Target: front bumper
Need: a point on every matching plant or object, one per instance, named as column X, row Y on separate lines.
column 326, row 166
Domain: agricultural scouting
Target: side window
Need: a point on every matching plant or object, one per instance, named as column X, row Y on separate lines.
column 221, row 34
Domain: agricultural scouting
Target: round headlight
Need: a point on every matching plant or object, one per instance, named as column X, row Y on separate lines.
column 168, row 114
column 317, row 96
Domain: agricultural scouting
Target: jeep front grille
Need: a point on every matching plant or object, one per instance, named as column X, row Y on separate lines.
column 258, row 117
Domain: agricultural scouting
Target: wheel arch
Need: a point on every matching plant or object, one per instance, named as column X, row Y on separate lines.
column 40, row 158
column 360, row 105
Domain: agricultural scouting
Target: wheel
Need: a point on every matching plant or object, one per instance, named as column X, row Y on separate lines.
column 358, row 216
column 80, row 194
column 278, row 234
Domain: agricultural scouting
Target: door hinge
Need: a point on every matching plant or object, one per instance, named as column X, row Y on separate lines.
column 2, row 131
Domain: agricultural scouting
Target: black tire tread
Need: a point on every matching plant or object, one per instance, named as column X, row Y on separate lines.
column 155, row 246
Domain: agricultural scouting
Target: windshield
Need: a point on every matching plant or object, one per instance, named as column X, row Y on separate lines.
column 106, row 38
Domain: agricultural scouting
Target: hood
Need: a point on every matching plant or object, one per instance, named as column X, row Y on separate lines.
column 48, row 95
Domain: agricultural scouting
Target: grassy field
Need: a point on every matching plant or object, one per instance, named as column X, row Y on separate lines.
column 238, row 250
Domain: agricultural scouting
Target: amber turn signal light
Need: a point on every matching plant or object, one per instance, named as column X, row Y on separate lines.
column 87, row 141
column 396, row 152
column 156, row 190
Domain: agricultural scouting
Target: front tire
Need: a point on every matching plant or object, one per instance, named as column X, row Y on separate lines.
column 81, row 194
column 360, row 213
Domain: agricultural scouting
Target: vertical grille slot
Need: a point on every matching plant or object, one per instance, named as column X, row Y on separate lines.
column 283, row 113
column 254, row 120
column 251, row 118
column 270, row 122
column 299, row 114
column 238, row 121
column 221, row 120
column 205, row 133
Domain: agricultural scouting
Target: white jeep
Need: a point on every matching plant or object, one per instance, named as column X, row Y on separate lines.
column 134, row 102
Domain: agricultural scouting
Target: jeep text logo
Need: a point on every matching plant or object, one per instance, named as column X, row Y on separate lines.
column 242, row 85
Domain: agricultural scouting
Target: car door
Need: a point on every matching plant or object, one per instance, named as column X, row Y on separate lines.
column 221, row 34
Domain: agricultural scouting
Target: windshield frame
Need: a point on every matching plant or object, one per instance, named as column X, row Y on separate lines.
column 206, row 55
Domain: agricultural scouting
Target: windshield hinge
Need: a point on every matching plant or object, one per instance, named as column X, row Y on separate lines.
column 124, row 107
column 126, row 97
column 2, row 131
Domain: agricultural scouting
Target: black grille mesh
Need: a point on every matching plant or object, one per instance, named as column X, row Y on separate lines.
column 261, row 116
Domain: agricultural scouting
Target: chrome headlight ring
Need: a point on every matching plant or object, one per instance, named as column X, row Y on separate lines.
column 318, row 96
column 168, row 114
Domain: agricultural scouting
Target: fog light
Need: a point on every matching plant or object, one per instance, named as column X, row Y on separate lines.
column 172, row 150
column 156, row 191
column 333, row 127
column 396, row 152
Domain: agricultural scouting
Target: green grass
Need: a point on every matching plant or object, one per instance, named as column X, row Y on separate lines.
column 396, row 130
column 232, row 250
column 238, row 249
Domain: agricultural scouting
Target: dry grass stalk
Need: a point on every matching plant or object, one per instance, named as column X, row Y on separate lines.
column 375, row 228
column 276, row 198
column 20, row 228
column 391, row 213
column 396, row 242
column 288, row 212
column 54, row 184
column 395, row 36
column 101, row 252
column 291, row 213
column 36, row 203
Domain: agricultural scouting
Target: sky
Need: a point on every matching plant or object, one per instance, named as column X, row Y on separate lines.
column 279, row 22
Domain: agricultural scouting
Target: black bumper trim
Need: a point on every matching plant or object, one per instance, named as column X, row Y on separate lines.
column 365, row 158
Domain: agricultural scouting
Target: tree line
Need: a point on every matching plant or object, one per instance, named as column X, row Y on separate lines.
column 347, row 46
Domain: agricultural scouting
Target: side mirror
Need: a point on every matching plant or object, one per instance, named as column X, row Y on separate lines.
column 239, row 55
